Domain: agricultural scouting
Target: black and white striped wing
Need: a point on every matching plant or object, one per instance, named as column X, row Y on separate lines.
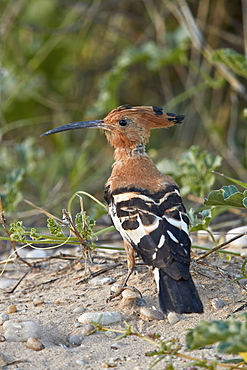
column 156, row 226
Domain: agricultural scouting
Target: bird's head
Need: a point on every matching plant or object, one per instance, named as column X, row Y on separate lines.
column 127, row 126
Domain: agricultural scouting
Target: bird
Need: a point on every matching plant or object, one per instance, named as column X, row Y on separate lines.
column 145, row 205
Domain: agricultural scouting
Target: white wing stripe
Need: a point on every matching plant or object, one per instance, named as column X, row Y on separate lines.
column 172, row 236
column 179, row 224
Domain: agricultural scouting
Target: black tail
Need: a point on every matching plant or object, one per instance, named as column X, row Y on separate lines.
column 178, row 295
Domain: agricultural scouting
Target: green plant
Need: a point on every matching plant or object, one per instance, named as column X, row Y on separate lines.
column 193, row 170
column 17, row 162
column 204, row 334
column 231, row 335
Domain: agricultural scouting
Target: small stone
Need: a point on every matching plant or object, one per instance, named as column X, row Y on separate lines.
column 106, row 365
column 5, row 283
column 88, row 329
column 217, row 303
column 79, row 309
column 173, row 318
column 2, row 338
column 75, row 340
column 6, row 324
column 11, row 308
column 110, row 334
column 21, row 331
column 151, row 314
column 38, row 301
column 140, row 302
column 4, row 360
column 116, row 287
column 82, row 362
column 3, row 317
column 131, row 293
column 36, row 253
column 99, row 280
column 104, row 318
column 35, row 344
column 109, row 363
column 117, row 345
column 238, row 243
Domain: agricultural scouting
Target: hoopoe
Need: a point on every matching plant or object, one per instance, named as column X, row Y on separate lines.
column 145, row 205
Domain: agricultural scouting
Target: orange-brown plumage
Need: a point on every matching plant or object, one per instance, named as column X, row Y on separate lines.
column 145, row 205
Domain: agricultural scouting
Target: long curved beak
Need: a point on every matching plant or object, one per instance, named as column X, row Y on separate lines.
column 77, row 125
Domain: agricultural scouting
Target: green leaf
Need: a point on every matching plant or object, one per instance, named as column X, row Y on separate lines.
column 193, row 170
column 34, row 234
column 84, row 225
column 17, row 231
column 231, row 335
column 205, row 217
column 227, row 196
column 206, row 333
column 230, row 58
column 54, row 228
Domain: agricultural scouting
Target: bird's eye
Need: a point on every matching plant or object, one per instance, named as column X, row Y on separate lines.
column 123, row 122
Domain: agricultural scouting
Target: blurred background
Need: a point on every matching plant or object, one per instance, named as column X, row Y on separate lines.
column 66, row 61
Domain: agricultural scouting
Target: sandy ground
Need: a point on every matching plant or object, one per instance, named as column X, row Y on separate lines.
column 57, row 285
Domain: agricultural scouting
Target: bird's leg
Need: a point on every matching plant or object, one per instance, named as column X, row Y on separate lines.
column 131, row 265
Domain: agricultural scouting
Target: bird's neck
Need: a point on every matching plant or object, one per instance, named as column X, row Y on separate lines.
column 123, row 153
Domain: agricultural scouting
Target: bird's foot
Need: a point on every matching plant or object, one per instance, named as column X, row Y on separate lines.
column 116, row 293
column 131, row 292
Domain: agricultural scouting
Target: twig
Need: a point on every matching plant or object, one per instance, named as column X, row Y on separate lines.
column 97, row 273
column 168, row 351
column 66, row 221
column 84, row 246
column 220, row 246
column 45, row 212
column 26, row 273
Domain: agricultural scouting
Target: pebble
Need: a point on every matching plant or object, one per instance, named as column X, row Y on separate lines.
column 79, row 309
column 37, row 301
column 5, row 283
column 4, row 360
column 238, row 243
column 116, row 287
column 6, row 324
column 3, row 317
column 82, row 362
column 21, row 331
column 140, row 302
column 173, row 318
column 99, row 280
column 110, row 334
column 35, row 344
column 88, row 329
column 217, row 303
column 36, row 253
column 131, row 293
column 151, row 314
column 11, row 308
column 2, row 338
column 110, row 363
column 105, row 318
column 75, row 340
